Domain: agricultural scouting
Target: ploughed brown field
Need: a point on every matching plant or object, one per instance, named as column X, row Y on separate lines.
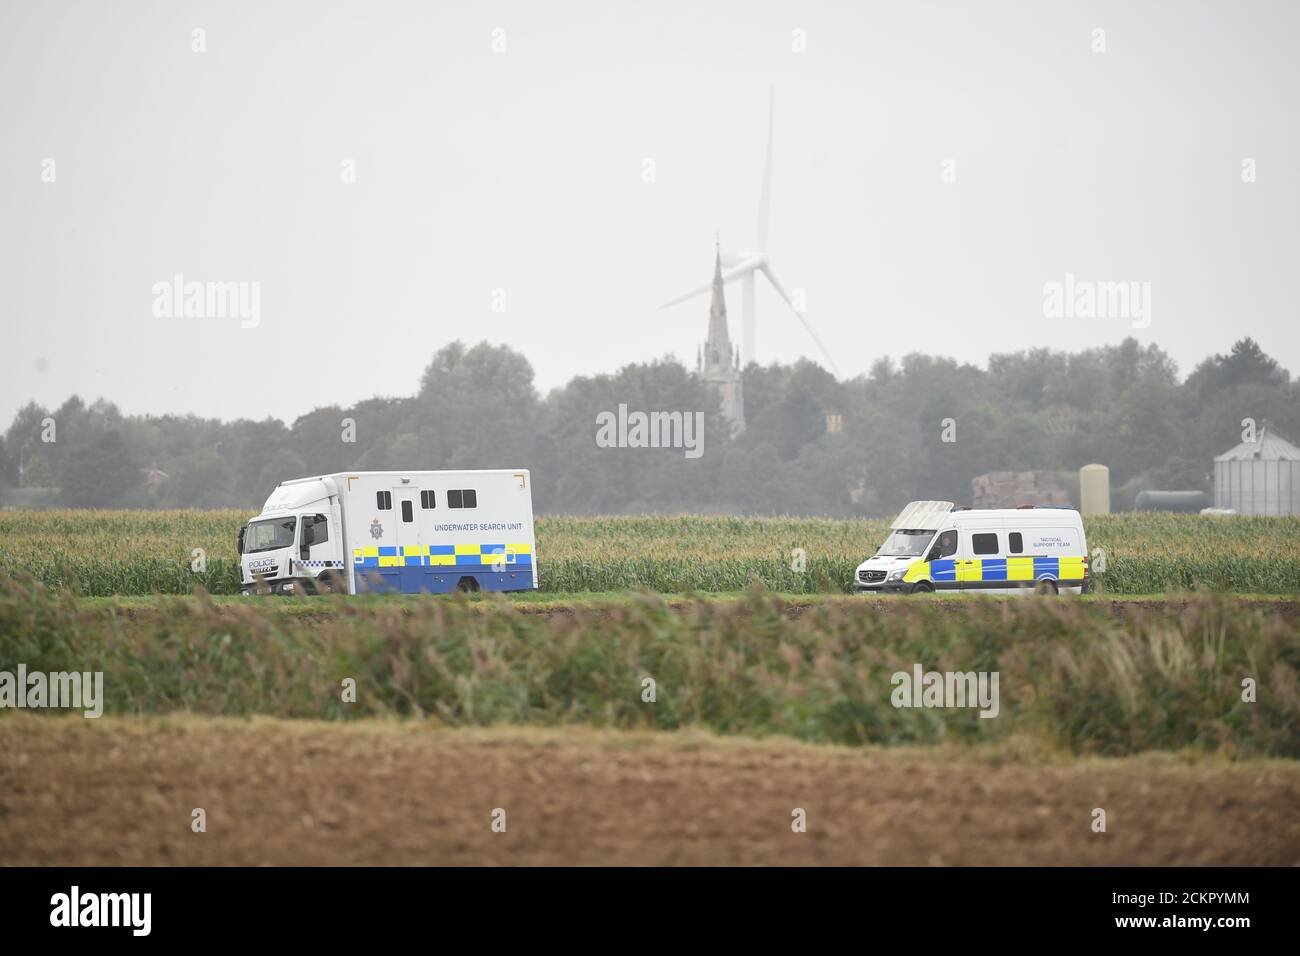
column 121, row 791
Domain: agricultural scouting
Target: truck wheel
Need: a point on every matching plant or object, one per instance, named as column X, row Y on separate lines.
column 468, row 585
column 922, row 587
column 329, row 583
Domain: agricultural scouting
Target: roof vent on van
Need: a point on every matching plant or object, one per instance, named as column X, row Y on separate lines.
column 1019, row 507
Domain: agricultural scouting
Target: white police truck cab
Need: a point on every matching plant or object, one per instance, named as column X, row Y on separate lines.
column 934, row 546
column 407, row 532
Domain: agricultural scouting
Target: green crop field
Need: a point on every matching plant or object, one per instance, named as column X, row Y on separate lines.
column 145, row 552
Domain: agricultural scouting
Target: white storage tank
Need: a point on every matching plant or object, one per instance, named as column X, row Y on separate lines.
column 1094, row 490
column 1260, row 477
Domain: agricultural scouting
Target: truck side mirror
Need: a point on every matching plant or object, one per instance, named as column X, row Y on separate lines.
column 239, row 540
column 308, row 537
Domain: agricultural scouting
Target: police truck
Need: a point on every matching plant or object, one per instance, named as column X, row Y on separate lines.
column 395, row 531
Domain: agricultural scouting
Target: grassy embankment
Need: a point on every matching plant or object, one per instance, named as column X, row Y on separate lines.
column 1073, row 676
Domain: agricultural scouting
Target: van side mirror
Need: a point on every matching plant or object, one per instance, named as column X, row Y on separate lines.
column 933, row 555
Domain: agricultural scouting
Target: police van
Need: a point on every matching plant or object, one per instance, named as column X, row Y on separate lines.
column 406, row 531
column 934, row 546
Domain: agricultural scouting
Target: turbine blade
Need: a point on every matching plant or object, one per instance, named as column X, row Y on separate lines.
column 689, row 295
column 764, row 200
column 728, row 275
column 780, row 290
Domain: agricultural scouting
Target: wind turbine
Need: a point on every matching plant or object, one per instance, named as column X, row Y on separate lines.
column 745, row 266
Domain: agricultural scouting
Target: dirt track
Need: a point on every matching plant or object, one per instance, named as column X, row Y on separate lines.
column 795, row 606
column 1119, row 608
column 121, row 791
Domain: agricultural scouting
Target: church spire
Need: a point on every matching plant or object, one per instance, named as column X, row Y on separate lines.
column 718, row 348
column 720, row 367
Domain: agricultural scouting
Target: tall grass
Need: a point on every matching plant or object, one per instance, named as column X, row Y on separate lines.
column 143, row 552
column 1074, row 676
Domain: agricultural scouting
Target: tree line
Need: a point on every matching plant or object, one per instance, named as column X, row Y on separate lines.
column 921, row 427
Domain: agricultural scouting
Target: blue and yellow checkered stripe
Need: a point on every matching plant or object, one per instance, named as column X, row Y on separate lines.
column 1011, row 570
column 442, row 555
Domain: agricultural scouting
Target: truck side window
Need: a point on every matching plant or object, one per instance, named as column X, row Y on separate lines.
column 384, row 500
column 315, row 529
column 984, row 543
column 1015, row 543
column 427, row 500
column 408, row 512
column 462, row 498
column 945, row 546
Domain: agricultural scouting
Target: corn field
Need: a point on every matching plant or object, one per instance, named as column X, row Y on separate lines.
column 173, row 552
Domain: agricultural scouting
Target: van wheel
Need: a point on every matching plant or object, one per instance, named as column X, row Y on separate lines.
column 923, row 587
column 467, row 585
column 1047, row 586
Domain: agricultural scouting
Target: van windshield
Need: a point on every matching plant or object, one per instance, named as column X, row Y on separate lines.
column 269, row 535
column 906, row 543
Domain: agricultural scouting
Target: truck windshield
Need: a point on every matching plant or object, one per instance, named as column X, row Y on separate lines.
column 906, row 543
column 269, row 535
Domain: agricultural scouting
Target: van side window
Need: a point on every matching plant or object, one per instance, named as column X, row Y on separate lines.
column 471, row 498
column 945, row 546
column 384, row 500
column 1015, row 543
column 427, row 500
column 453, row 498
column 984, row 543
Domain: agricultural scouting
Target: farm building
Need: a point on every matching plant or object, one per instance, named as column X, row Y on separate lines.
column 1010, row 489
column 1260, row 477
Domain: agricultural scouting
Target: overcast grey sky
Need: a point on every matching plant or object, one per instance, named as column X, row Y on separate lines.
column 524, row 170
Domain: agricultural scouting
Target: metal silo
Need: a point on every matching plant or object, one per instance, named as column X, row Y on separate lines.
column 1260, row 477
